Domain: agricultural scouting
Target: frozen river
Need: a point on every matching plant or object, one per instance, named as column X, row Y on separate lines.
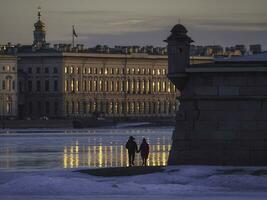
column 55, row 149
column 41, row 164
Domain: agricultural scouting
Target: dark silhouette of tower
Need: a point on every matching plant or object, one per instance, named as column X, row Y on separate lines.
column 39, row 33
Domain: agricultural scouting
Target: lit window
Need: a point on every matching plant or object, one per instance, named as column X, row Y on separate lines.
column 158, row 87
column 95, row 86
column 72, row 85
column 77, row 86
column 153, row 86
column 143, row 71
column 100, row 86
column 111, row 86
column 66, row 85
column 164, row 86
column 127, row 86
column 169, row 87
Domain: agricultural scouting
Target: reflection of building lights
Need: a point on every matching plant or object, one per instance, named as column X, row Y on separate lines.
column 65, row 158
column 121, row 159
column 110, row 156
column 71, row 157
column 76, row 159
column 164, row 161
column 89, row 157
column 105, row 156
column 158, row 157
column 100, row 156
column 95, row 157
column 153, row 156
column 116, row 156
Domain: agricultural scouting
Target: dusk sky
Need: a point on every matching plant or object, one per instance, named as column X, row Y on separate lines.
column 136, row 22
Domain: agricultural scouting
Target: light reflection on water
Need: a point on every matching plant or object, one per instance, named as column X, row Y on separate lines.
column 111, row 156
column 35, row 150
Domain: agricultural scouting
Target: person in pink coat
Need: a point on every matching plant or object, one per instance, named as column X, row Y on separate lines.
column 144, row 149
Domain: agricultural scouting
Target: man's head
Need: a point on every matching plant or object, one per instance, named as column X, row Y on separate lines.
column 131, row 138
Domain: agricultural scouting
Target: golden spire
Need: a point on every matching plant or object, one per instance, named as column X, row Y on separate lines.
column 39, row 12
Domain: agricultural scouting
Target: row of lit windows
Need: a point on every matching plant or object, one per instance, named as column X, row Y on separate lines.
column 114, row 71
column 8, row 68
column 118, row 107
column 8, row 85
column 46, row 70
column 129, row 86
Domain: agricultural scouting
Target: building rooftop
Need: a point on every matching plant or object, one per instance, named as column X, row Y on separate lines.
column 262, row 57
column 250, row 63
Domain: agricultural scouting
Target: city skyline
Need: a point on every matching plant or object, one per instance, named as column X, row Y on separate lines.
column 134, row 23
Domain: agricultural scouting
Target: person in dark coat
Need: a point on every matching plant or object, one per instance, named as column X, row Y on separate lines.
column 132, row 149
column 144, row 149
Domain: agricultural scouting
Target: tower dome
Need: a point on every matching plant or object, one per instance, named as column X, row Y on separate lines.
column 39, row 32
column 179, row 33
column 179, row 29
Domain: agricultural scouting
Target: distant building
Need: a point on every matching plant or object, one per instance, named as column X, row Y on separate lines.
column 242, row 48
column 91, row 85
column 255, row 48
column 8, row 86
column 124, row 82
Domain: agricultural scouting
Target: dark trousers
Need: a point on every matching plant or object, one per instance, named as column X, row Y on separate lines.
column 131, row 156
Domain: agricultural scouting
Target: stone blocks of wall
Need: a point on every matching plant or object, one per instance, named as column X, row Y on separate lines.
column 222, row 120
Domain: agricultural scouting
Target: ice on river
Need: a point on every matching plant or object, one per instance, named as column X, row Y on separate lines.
column 183, row 182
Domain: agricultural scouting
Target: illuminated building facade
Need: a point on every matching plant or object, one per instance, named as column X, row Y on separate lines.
column 85, row 85
column 8, row 86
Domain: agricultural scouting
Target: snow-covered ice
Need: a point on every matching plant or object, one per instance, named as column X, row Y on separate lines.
column 183, row 182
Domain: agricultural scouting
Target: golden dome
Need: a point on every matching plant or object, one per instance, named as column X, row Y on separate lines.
column 39, row 25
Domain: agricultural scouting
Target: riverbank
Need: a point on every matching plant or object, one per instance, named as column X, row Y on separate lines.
column 81, row 123
column 122, row 171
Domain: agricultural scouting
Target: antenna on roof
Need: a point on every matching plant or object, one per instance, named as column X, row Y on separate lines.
column 179, row 20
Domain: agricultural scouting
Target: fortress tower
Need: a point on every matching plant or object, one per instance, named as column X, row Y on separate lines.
column 222, row 118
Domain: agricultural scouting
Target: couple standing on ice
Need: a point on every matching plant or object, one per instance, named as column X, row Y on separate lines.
column 132, row 149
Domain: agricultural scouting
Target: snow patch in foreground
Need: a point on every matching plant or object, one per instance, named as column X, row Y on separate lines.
column 175, row 180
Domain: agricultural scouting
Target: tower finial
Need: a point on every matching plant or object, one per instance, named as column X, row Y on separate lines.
column 179, row 20
column 39, row 12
